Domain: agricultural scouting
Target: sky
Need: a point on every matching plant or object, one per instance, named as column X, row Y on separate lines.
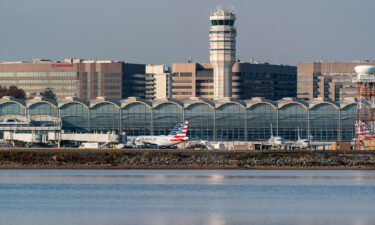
column 170, row 31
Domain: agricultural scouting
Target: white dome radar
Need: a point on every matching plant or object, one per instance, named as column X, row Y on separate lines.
column 365, row 74
column 365, row 69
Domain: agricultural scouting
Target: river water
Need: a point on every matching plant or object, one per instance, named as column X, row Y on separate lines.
column 212, row 197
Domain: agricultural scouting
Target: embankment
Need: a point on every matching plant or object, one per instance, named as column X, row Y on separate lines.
column 178, row 159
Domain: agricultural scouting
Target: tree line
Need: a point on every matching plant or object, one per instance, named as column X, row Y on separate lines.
column 16, row 92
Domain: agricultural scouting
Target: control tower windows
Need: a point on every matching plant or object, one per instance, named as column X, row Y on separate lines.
column 222, row 22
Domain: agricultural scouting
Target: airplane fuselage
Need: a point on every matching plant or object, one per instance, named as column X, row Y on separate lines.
column 163, row 141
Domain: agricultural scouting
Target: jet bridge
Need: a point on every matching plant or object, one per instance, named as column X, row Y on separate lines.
column 110, row 137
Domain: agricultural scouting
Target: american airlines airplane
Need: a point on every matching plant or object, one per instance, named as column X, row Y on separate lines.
column 176, row 136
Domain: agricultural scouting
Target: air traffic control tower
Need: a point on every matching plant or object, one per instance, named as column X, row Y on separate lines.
column 222, row 51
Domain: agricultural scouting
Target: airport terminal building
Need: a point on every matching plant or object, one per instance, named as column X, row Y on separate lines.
column 225, row 120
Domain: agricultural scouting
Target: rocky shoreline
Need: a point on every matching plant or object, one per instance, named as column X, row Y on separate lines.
column 178, row 159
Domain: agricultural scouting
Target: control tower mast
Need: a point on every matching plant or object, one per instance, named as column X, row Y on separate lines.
column 365, row 119
column 222, row 51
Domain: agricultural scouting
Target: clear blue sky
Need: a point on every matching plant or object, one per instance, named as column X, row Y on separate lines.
column 167, row 31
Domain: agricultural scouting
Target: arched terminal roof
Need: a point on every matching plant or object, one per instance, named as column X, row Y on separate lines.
column 226, row 100
column 317, row 101
column 196, row 100
column 132, row 100
column 40, row 99
column 180, row 103
column 347, row 101
column 287, row 101
column 6, row 99
column 257, row 100
column 68, row 100
column 160, row 101
column 101, row 100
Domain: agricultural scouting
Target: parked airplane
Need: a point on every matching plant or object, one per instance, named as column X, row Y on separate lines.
column 301, row 143
column 275, row 141
column 176, row 136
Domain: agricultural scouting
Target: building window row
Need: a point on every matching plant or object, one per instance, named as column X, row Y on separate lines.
column 181, row 93
column 38, row 74
column 183, row 74
column 181, row 87
column 37, row 81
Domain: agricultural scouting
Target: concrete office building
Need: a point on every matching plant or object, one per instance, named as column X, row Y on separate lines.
column 192, row 80
column 85, row 79
column 158, row 81
column 222, row 51
column 248, row 80
column 264, row 80
column 328, row 79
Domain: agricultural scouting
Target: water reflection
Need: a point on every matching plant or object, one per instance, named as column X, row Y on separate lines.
column 212, row 197
column 216, row 219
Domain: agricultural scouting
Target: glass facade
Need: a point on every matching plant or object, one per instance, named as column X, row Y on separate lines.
column 12, row 108
column 324, row 122
column 292, row 117
column 136, row 119
column 75, row 117
column 229, row 122
column 165, row 117
column 208, row 120
column 201, row 121
column 260, row 118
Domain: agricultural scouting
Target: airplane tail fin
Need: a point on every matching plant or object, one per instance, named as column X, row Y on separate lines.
column 176, row 129
column 299, row 137
column 182, row 130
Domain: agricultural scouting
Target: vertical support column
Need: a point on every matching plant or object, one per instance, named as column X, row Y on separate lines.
column 214, row 131
column 245, row 131
column 277, row 122
column 120, row 119
column 89, row 119
column 60, row 125
column 339, row 125
column 308, row 124
column 152, row 121
column 183, row 114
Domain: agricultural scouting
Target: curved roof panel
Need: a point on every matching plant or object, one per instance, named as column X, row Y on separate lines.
column 287, row 101
column 160, row 101
column 6, row 99
column 195, row 100
column 132, row 100
column 39, row 99
column 69, row 100
column 254, row 101
column 318, row 101
column 224, row 101
column 103, row 100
